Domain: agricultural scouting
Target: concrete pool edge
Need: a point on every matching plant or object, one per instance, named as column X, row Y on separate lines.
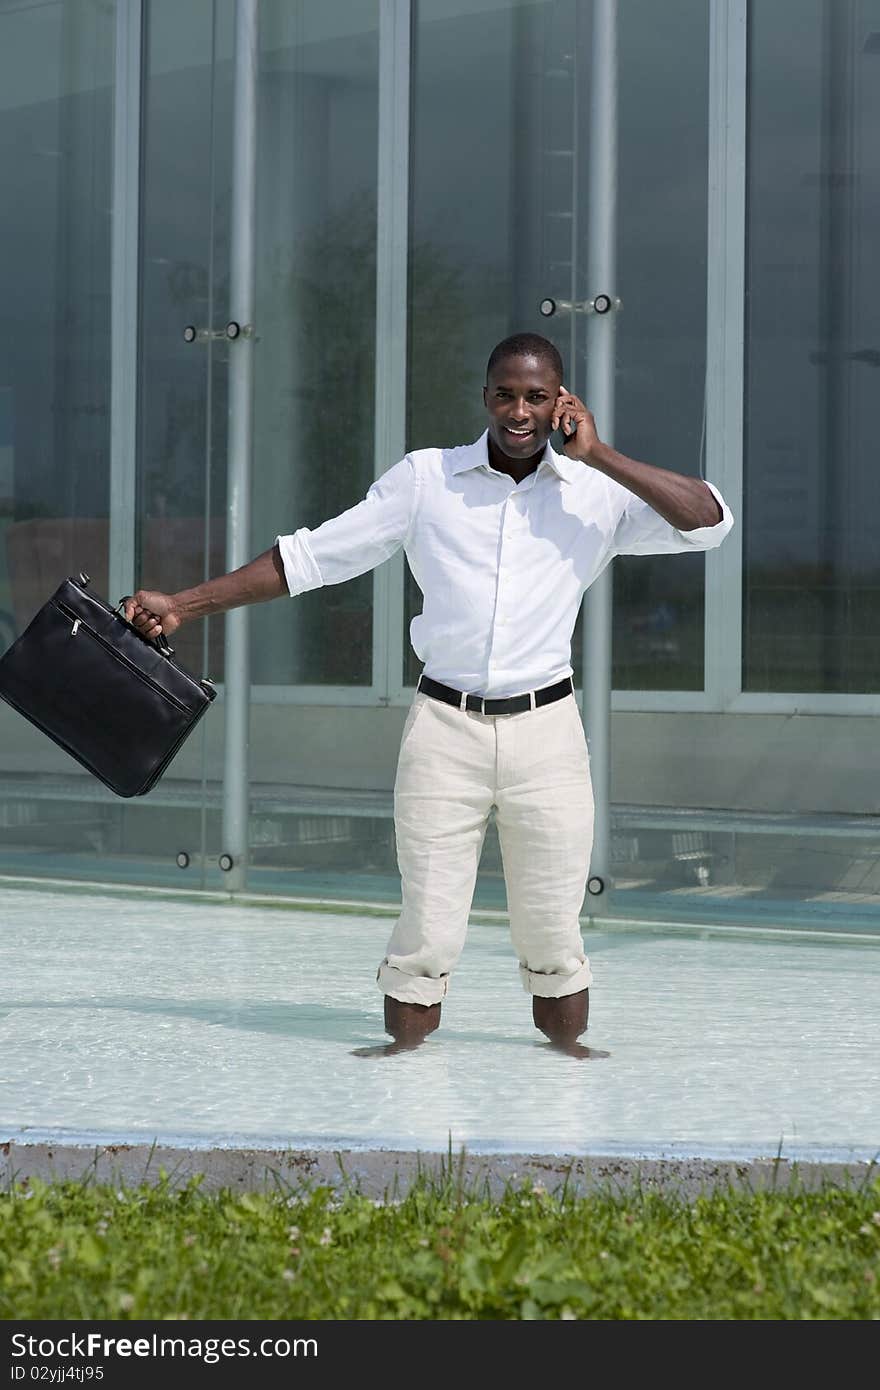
column 390, row 1173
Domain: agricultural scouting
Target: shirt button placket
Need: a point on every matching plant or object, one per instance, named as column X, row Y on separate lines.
column 500, row 618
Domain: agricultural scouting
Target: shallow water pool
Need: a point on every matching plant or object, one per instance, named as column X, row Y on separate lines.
column 138, row 1018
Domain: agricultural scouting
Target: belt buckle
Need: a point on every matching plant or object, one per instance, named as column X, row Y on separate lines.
column 502, row 713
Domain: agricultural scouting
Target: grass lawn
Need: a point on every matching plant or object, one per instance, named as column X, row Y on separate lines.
column 83, row 1251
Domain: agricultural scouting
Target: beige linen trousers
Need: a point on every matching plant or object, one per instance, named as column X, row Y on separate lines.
column 454, row 767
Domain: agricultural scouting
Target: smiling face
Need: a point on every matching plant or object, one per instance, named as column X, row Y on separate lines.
column 519, row 397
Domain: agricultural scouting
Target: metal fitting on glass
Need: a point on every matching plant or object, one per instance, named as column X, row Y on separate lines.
column 230, row 332
column 600, row 304
column 225, row 861
column 595, row 885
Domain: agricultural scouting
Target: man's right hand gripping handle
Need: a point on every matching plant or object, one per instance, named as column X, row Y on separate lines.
column 152, row 613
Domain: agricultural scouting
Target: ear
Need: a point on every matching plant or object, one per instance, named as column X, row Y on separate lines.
column 485, row 395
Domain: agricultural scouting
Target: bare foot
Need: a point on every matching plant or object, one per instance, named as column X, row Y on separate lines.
column 408, row 1024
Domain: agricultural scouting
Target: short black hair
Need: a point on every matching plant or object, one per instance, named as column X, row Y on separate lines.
column 527, row 345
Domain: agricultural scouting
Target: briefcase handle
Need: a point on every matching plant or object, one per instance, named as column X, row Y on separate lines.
column 161, row 642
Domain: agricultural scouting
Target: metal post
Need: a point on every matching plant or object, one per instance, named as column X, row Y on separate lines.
column 838, row 259
column 240, row 438
column 124, row 295
column 601, row 265
column 392, row 239
column 725, row 337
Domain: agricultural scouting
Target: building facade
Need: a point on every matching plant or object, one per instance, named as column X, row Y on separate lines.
column 253, row 252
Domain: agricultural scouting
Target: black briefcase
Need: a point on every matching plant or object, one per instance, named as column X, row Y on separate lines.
column 109, row 697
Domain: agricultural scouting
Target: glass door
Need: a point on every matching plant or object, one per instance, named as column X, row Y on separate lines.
column 57, row 77
column 183, row 393
column 500, row 217
column 502, row 127
column 305, row 107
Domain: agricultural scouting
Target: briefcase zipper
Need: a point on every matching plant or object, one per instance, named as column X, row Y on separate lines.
column 109, row 647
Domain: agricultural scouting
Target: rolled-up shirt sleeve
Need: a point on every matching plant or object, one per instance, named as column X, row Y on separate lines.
column 642, row 531
column 355, row 541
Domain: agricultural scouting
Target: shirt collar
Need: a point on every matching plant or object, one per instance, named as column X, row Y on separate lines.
column 477, row 454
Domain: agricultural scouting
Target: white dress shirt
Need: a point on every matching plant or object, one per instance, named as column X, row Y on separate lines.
column 502, row 566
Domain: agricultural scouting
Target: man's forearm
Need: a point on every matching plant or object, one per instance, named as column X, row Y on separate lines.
column 686, row 503
column 259, row 580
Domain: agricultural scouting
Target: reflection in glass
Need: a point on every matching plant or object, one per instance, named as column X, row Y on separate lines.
column 185, row 280
column 499, row 216
column 56, row 167
column 56, row 172
column 315, row 265
column 316, row 279
column 811, row 603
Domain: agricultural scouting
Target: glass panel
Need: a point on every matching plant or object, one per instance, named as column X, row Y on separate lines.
column 771, row 819
column 320, row 821
column 185, row 282
column 182, row 395
column 661, row 336
column 316, row 276
column 510, row 229
column 56, row 171
column 308, row 194
column 747, row 866
column 811, row 607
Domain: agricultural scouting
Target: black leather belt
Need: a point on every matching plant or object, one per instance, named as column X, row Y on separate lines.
column 514, row 704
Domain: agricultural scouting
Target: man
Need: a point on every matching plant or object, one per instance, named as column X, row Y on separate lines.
column 503, row 537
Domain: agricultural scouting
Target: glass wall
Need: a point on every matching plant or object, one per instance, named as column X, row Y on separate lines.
column 56, row 167
column 501, row 126
column 811, row 612
column 316, row 292
column 420, row 188
column 761, row 807
column 184, row 253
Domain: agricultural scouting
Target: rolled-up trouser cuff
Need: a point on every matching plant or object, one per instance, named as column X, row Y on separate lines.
column 556, row 986
column 411, row 989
